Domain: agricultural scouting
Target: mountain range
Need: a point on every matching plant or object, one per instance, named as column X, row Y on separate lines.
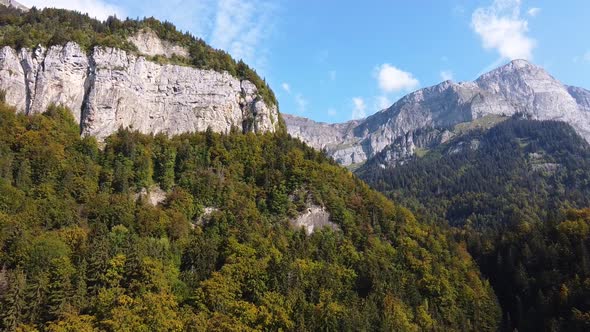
column 186, row 206
column 428, row 116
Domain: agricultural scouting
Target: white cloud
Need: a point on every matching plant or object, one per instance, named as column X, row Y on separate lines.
column 585, row 58
column 240, row 27
column 332, row 111
column 392, row 79
column 446, row 75
column 332, row 75
column 534, row 11
column 95, row 8
column 286, row 87
column 301, row 103
column 322, row 56
column 358, row 111
column 501, row 27
column 458, row 11
column 205, row 10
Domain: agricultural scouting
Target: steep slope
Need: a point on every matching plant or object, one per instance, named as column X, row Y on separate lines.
column 147, row 83
column 545, row 157
column 419, row 142
column 82, row 251
column 582, row 97
column 518, row 87
column 508, row 190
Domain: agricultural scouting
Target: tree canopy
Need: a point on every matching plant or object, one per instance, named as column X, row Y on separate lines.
column 84, row 250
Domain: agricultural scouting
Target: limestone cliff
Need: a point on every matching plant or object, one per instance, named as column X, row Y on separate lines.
column 110, row 88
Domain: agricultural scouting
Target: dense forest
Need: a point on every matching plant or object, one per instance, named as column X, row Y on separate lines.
column 510, row 191
column 83, row 250
column 50, row 27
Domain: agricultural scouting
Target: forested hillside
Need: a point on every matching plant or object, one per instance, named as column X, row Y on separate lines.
column 81, row 251
column 509, row 192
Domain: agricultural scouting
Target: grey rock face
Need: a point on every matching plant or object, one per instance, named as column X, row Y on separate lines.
column 315, row 218
column 518, row 87
column 13, row 3
column 582, row 97
column 12, row 75
column 148, row 43
column 111, row 88
column 338, row 140
column 405, row 146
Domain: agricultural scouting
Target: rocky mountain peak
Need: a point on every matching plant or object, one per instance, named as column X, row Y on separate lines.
column 515, row 70
column 520, row 76
column 519, row 63
column 515, row 66
column 517, row 87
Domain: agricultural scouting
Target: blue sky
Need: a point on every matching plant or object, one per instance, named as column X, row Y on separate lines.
column 336, row 60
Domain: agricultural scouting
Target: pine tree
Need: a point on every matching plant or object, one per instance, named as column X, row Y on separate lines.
column 36, row 296
column 80, row 296
column 22, row 179
column 97, row 262
column 60, row 291
column 165, row 160
column 13, row 301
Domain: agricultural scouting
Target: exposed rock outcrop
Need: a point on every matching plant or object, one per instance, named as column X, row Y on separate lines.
column 518, row 87
column 338, row 140
column 315, row 218
column 148, row 43
column 111, row 88
column 154, row 195
column 406, row 146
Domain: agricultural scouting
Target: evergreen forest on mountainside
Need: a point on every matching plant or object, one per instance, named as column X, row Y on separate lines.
column 513, row 201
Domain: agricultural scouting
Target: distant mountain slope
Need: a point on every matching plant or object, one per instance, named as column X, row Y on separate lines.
column 582, row 97
column 508, row 191
column 420, row 142
column 518, row 87
column 329, row 137
column 537, row 164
